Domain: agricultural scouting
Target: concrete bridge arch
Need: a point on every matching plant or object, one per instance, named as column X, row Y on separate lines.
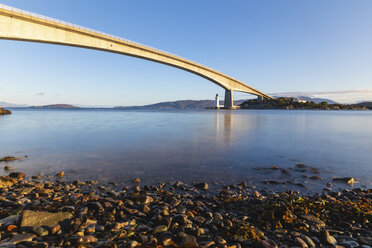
column 16, row 24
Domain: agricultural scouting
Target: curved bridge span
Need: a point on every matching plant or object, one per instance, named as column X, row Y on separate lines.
column 16, row 24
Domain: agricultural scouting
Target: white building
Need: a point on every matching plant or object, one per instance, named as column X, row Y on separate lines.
column 217, row 101
column 300, row 100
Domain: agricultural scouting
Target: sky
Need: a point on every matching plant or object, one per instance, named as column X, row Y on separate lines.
column 318, row 48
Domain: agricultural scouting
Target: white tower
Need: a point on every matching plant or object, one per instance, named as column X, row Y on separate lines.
column 217, row 101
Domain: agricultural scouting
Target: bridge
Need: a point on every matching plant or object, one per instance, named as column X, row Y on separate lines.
column 21, row 25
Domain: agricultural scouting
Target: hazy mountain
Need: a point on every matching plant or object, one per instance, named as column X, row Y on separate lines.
column 12, row 105
column 56, row 106
column 365, row 104
column 314, row 99
column 202, row 104
column 182, row 104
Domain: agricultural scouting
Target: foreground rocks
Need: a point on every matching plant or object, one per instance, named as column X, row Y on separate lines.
column 37, row 213
column 4, row 111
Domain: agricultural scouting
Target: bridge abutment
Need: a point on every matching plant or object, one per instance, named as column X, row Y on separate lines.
column 229, row 104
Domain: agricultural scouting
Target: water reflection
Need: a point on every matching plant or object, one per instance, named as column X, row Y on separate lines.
column 224, row 128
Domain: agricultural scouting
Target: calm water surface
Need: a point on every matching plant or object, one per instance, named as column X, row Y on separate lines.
column 201, row 145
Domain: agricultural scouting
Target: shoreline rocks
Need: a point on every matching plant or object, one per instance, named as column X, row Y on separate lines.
column 43, row 213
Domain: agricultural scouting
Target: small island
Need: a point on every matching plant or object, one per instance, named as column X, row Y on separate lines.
column 295, row 103
column 4, row 111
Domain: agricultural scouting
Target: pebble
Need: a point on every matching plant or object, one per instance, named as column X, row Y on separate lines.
column 8, row 168
column 189, row 242
column 22, row 237
column 300, row 242
column 308, row 241
column 349, row 244
column 203, row 186
column 60, row 174
column 329, row 238
column 159, row 229
column 17, row 175
column 268, row 243
column 41, row 232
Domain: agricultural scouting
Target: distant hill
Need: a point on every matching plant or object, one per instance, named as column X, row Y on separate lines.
column 182, row 104
column 202, row 104
column 56, row 106
column 12, row 105
column 365, row 104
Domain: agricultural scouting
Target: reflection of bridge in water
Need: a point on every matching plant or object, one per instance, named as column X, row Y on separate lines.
column 16, row 24
column 230, row 124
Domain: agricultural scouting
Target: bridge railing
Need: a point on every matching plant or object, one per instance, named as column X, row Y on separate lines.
column 3, row 6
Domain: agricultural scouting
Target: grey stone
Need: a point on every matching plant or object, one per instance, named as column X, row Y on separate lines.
column 10, row 220
column 22, row 237
column 349, row 244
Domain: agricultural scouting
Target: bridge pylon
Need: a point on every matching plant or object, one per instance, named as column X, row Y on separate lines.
column 229, row 102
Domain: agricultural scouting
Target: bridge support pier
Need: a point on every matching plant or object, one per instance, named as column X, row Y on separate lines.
column 229, row 103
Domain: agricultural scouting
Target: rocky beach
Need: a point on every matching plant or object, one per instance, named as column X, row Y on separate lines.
column 40, row 211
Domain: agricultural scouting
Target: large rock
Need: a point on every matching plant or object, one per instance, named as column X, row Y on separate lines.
column 31, row 219
column 4, row 111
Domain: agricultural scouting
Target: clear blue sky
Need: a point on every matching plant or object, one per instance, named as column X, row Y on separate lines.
column 275, row 46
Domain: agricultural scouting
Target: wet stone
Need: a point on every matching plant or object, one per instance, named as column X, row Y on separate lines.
column 10, row 220
column 189, row 242
column 308, row 241
column 40, row 231
column 96, row 206
column 87, row 239
column 349, row 244
column 159, row 229
column 40, row 245
column 203, row 186
column 22, row 237
column 17, row 175
column 348, row 180
column 300, row 242
column 329, row 238
column 8, row 168
column 268, row 243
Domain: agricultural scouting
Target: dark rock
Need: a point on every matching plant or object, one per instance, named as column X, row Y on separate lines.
column 8, row 168
column 268, row 243
column 349, row 244
column 348, row 180
column 203, row 186
column 96, row 206
column 189, row 242
column 17, row 175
